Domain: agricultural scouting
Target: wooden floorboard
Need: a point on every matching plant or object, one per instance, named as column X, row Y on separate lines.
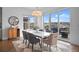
column 7, row 46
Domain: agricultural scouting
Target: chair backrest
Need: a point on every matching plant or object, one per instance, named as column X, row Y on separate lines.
column 32, row 39
column 25, row 35
column 52, row 39
column 41, row 30
column 30, row 36
column 55, row 38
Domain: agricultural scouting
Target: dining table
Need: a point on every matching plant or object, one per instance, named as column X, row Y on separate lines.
column 40, row 34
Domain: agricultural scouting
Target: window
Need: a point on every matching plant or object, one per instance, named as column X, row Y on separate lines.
column 64, row 19
column 60, row 22
column 46, row 22
column 54, row 22
column 31, row 21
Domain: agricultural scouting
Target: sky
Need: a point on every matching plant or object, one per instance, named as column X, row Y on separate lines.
column 31, row 19
column 64, row 16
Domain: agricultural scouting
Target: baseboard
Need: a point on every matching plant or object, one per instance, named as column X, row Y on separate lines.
column 74, row 44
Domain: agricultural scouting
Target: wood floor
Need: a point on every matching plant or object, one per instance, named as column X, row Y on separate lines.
column 7, row 46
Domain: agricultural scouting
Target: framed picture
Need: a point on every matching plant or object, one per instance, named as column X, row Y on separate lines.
column 25, row 19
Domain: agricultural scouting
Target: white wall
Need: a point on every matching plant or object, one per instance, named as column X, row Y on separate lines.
column 12, row 11
column 74, row 28
column 18, row 12
column 0, row 23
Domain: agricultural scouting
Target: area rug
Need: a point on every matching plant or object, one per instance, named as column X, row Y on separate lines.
column 21, row 47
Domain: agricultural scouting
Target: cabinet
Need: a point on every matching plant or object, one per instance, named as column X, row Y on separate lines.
column 13, row 33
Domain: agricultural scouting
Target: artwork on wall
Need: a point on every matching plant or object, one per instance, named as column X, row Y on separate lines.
column 13, row 20
column 25, row 22
column 25, row 19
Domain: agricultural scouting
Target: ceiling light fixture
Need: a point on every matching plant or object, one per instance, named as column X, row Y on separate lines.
column 37, row 13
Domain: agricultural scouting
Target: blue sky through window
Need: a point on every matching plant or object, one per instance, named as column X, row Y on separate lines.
column 46, row 18
column 64, row 16
column 31, row 19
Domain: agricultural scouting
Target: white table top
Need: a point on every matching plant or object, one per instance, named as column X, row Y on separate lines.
column 41, row 34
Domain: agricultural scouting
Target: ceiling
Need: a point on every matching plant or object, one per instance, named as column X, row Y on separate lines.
column 28, row 10
column 45, row 10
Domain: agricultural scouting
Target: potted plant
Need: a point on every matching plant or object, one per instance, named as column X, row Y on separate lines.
column 36, row 28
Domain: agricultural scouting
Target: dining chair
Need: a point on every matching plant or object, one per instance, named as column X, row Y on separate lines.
column 41, row 30
column 33, row 40
column 51, row 40
column 25, row 36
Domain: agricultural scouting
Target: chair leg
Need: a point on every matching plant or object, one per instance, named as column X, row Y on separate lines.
column 47, row 45
column 32, row 46
column 40, row 45
column 23, row 41
column 28, row 45
column 56, row 47
column 50, row 48
column 26, row 42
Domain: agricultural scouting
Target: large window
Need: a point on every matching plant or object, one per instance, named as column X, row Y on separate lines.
column 46, row 22
column 54, row 22
column 31, row 21
column 60, row 22
column 64, row 19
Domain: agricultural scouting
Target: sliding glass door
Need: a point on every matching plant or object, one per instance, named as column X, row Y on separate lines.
column 54, row 22
column 58, row 22
column 64, row 28
column 46, row 22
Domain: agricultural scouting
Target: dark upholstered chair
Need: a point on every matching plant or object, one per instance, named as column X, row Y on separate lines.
column 25, row 36
column 33, row 40
column 41, row 30
column 64, row 35
column 55, row 30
